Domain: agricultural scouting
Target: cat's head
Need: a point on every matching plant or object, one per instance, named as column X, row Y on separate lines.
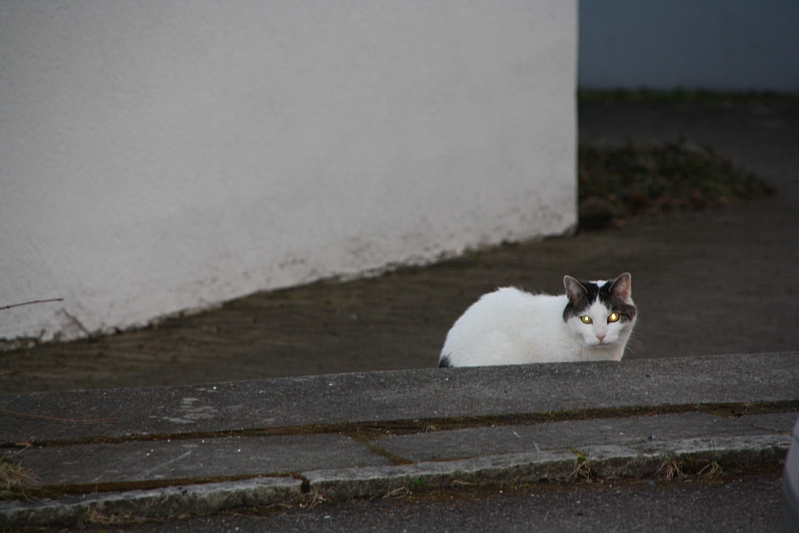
column 601, row 312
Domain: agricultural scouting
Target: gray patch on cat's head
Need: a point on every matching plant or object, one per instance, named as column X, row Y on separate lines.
column 615, row 294
column 616, row 297
column 581, row 295
column 444, row 362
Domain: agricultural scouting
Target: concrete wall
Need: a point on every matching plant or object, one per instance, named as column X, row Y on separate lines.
column 160, row 156
column 728, row 45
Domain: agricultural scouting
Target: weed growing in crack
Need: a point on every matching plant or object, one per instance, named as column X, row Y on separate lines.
column 583, row 471
column 669, row 470
column 15, row 481
column 710, row 470
column 312, row 499
column 96, row 517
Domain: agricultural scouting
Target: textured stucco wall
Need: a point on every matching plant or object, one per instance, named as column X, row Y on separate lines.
column 722, row 45
column 161, row 156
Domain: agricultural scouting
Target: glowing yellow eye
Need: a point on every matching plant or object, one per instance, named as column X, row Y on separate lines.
column 586, row 319
column 613, row 317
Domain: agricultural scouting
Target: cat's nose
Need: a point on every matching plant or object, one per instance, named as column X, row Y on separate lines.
column 600, row 336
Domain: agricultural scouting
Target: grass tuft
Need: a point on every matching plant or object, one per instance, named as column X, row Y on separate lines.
column 670, row 469
column 15, row 481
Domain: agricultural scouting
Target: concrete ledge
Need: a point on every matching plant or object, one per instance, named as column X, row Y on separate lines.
column 397, row 396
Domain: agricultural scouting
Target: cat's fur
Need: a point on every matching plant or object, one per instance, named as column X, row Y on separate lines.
column 510, row 326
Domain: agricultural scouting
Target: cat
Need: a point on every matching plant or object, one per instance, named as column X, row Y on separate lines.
column 591, row 322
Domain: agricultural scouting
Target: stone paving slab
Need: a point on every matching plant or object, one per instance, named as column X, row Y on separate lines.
column 190, row 459
column 397, row 396
column 175, row 461
column 576, row 434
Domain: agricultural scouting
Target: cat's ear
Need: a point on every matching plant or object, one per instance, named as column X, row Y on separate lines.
column 574, row 289
column 622, row 288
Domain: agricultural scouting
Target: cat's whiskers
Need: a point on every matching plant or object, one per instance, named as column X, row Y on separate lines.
column 634, row 346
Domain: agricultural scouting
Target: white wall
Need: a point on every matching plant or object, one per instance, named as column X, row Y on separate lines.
column 727, row 45
column 160, row 156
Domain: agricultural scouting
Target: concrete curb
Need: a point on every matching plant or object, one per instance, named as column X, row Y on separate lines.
column 158, row 503
column 604, row 461
column 642, row 461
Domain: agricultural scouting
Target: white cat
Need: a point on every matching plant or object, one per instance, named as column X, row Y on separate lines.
column 591, row 322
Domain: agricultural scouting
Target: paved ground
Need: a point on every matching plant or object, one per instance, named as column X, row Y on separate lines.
column 719, row 281
column 443, row 442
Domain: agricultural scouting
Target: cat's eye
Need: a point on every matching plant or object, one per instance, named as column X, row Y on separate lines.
column 586, row 319
column 613, row 317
